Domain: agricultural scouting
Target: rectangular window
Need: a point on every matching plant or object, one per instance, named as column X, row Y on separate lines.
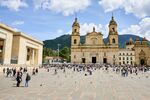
column 123, row 62
column 119, row 63
column 131, row 63
column 119, row 58
column 127, row 62
column 123, row 58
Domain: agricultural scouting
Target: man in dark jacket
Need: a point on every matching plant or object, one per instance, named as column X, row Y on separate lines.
column 18, row 79
column 28, row 78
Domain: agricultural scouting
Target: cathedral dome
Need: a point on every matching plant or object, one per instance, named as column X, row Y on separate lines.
column 112, row 22
column 137, row 39
column 75, row 23
column 131, row 42
column 144, row 39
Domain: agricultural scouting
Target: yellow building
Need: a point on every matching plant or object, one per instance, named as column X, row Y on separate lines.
column 19, row 48
column 94, row 50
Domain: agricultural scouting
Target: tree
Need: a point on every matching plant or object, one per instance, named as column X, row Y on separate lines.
column 48, row 52
column 65, row 53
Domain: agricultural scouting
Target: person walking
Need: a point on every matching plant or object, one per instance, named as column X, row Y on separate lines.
column 28, row 78
column 18, row 79
column 3, row 70
column 36, row 70
column 14, row 72
column 33, row 71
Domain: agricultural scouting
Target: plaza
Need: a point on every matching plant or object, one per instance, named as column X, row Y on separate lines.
column 72, row 85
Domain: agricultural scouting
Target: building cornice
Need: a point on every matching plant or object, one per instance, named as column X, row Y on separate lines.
column 15, row 33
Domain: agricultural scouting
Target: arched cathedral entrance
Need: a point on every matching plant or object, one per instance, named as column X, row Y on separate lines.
column 104, row 60
column 142, row 58
column 93, row 59
column 142, row 62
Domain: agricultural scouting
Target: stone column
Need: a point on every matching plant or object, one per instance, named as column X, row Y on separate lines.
column 36, row 57
column 26, row 53
column 33, row 58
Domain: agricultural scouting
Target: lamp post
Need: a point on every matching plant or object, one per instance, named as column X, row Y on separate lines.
column 114, row 61
column 58, row 51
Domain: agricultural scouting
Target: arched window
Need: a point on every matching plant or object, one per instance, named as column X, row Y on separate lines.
column 113, row 41
column 113, row 29
column 75, row 30
column 75, row 41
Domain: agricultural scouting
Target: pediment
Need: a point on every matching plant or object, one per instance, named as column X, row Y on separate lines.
column 142, row 53
column 94, row 33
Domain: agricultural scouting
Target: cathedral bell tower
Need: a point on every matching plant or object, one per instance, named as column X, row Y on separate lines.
column 75, row 37
column 113, row 33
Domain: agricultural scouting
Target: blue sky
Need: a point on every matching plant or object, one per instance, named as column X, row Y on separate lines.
column 48, row 19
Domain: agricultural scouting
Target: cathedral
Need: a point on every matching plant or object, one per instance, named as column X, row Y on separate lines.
column 95, row 50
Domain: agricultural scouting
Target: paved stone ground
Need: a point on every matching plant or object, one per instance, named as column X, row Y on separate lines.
column 75, row 86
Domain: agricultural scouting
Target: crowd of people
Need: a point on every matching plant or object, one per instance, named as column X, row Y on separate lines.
column 18, row 74
column 123, row 70
column 89, row 69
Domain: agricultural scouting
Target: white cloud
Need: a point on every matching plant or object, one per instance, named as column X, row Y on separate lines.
column 17, row 22
column 16, row 29
column 139, row 8
column 13, row 4
column 88, row 27
column 60, row 31
column 110, row 5
column 66, row 7
column 142, row 29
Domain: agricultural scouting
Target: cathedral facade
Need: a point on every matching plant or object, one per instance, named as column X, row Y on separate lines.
column 95, row 50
